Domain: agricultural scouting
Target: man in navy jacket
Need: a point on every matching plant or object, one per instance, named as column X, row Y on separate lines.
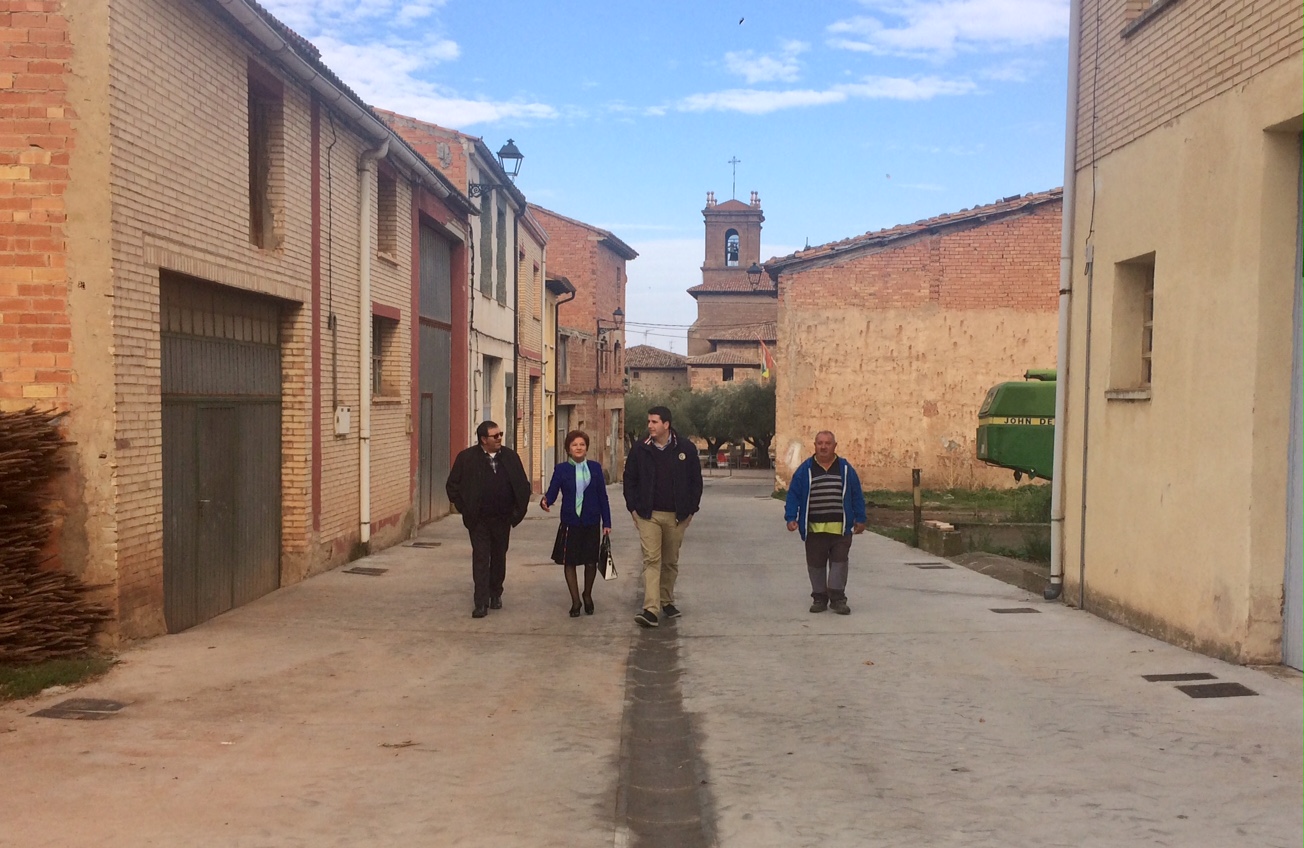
column 825, row 503
column 663, row 490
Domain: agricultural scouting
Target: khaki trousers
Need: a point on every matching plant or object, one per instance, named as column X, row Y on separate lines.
column 660, row 537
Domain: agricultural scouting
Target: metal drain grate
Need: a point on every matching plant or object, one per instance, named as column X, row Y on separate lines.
column 370, row 572
column 425, row 544
column 1015, row 610
column 81, row 709
column 932, row 567
column 1178, row 678
column 1217, row 690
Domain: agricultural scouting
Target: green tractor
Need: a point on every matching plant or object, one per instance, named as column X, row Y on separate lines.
column 1016, row 425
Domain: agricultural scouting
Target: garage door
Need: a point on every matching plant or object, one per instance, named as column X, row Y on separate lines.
column 221, row 394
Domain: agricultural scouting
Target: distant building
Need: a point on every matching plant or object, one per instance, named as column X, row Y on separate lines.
column 655, row 372
column 734, row 312
column 591, row 333
column 892, row 339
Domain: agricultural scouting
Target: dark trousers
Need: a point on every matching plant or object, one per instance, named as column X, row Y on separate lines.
column 827, row 558
column 489, row 538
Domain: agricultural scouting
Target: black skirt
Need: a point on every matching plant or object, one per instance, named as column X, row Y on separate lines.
column 577, row 545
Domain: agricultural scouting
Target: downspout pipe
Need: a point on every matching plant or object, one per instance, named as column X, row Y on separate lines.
column 365, row 194
column 1056, row 586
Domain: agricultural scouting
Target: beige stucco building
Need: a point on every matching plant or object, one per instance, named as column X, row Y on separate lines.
column 1181, row 464
column 892, row 339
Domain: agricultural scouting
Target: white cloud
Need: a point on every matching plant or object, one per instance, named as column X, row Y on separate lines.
column 940, row 28
column 387, row 76
column 781, row 68
column 1015, row 70
column 752, row 101
column 369, row 45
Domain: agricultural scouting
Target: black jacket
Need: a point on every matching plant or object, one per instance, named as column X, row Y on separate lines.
column 685, row 483
column 466, row 483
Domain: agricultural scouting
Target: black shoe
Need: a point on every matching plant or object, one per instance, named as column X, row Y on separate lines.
column 575, row 611
column 495, row 603
column 670, row 611
column 479, row 612
column 588, row 605
column 819, row 606
column 840, row 607
column 647, row 618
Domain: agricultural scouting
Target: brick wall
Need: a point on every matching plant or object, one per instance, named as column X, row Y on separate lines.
column 895, row 350
column 720, row 311
column 658, row 382
column 173, row 209
column 596, row 371
column 37, row 136
column 1185, row 54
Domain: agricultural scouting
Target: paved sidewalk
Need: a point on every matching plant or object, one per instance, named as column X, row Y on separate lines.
column 373, row 711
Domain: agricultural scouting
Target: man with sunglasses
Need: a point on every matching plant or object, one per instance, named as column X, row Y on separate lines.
column 489, row 487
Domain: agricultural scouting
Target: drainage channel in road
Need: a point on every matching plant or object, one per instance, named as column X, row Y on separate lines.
column 666, row 800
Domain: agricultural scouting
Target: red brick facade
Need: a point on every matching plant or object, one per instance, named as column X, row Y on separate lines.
column 35, row 148
column 593, row 383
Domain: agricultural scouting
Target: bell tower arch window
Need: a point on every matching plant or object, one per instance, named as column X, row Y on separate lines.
column 731, row 248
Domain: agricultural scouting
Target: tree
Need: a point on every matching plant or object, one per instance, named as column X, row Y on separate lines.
column 749, row 408
column 701, row 413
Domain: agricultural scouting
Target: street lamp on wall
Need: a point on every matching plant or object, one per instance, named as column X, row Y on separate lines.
column 509, row 159
column 754, row 275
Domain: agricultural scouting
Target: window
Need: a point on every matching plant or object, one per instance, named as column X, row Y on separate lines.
column 563, row 364
column 500, row 291
column 386, row 213
column 637, row 375
column 727, row 373
column 488, row 382
column 509, row 411
column 731, row 248
column 384, row 357
column 486, row 244
column 266, row 165
column 1132, row 333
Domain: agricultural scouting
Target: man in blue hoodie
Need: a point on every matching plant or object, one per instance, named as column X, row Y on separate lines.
column 825, row 503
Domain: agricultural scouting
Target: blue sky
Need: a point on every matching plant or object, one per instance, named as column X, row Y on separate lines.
column 847, row 116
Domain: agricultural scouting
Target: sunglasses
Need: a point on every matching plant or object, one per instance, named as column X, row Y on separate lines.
column 493, row 435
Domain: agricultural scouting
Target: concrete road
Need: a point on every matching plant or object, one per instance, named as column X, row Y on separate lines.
column 356, row 710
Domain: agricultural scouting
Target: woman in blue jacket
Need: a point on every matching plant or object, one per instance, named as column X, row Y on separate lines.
column 585, row 517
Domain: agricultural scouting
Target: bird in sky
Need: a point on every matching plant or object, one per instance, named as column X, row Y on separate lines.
column 740, row 21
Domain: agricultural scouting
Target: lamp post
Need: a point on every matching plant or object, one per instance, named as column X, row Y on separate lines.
column 509, row 159
column 754, row 275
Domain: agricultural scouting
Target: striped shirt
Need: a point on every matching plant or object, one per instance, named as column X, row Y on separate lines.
column 825, row 504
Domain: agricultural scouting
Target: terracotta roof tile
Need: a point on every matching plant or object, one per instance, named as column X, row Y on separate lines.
column 646, row 356
column 727, row 357
column 766, row 287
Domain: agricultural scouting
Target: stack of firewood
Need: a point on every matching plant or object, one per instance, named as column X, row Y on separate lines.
column 44, row 613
